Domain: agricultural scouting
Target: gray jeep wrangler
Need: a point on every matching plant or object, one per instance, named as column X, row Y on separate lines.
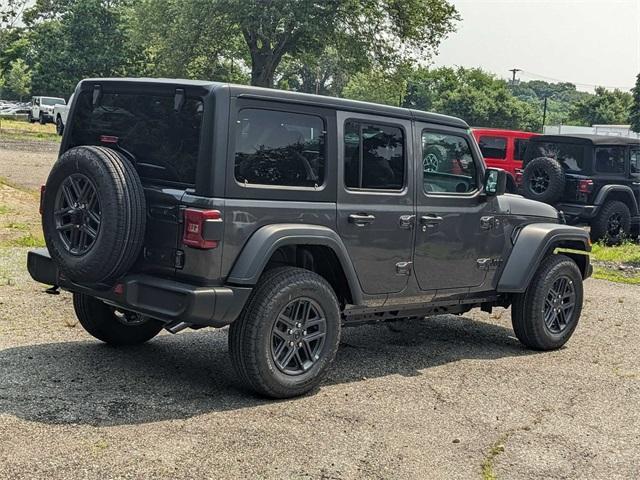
column 182, row 204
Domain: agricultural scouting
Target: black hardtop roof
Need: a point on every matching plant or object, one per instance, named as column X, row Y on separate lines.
column 586, row 139
column 287, row 96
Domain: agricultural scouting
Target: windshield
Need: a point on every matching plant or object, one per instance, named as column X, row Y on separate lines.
column 570, row 156
column 165, row 143
column 52, row 101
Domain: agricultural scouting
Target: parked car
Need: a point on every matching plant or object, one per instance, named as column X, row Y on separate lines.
column 60, row 113
column 593, row 180
column 41, row 109
column 185, row 204
column 504, row 149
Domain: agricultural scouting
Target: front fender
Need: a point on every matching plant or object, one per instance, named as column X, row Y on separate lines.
column 266, row 240
column 532, row 244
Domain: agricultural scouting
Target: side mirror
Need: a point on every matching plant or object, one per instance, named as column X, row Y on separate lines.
column 495, row 182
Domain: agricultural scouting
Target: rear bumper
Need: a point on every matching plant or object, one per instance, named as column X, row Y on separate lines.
column 157, row 297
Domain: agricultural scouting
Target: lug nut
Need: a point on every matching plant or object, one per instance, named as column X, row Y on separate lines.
column 304, row 333
column 290, row 332
column 298, row 325
column 291, row 344
column 299, row 344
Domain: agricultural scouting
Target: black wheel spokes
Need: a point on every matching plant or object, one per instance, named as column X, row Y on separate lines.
column 559, row 305
column 614, row 225
column 77, row 214
column 298, row 336
column 539, row 181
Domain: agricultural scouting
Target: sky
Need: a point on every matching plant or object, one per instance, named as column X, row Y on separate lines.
column 586, row 42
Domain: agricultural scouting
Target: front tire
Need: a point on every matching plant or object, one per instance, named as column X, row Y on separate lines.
column 287, row 335
column 612, row 224
column 113, row 326
column 547, row 314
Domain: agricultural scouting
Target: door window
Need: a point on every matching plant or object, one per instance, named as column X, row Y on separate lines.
column 519, row 147
column 493, row 147
column 610, row 160
column 373, row 156
column 448, row 164
column 279, row 148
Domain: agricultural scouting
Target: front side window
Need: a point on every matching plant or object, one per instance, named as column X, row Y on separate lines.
column 448, row 164
column 635, row 163
column 493, row 147
column 279, row 148
column 610, row 160
column 164, row 142
column 373, row 156
column 519, row 147
column 570, row 156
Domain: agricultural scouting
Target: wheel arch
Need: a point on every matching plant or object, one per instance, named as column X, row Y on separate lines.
column 297, row 245
column 535, row 242
column 621, row 193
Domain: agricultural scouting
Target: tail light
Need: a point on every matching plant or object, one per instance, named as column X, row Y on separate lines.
column 202, row 228
column 585, row 186
column 519, row 177
column 41, row 208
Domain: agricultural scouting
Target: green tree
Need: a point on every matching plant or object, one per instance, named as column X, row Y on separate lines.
column 634, row 117
column 18, row 79
column 377, row 86
column 75, row 39
column 605, row 107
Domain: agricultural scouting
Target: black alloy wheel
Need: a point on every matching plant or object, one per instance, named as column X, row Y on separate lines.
column 560, row 305
column 77, row 214
column 298, row 335
column 539, row 182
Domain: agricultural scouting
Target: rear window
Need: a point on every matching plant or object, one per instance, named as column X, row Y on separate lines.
column 570, row 156
column 493, row 147
column 164, row 142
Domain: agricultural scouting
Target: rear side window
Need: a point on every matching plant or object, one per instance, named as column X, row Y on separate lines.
column 165, row 143
column 374, row 156
column 519, row 147
column 570, row 156
column 279, row 148
column 493, row 147
column 635, row 163
column 610, row 160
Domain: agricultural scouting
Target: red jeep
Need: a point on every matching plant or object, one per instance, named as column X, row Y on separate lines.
column 504, row 149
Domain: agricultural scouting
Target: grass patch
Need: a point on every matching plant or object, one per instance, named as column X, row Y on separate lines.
column 496, row 449
column 628, row 253
column 4, row 210
column 602, row 273
column 17, row 226
column 28, row 240
column 22, row 130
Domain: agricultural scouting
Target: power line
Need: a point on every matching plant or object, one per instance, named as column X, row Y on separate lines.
column 557, row 80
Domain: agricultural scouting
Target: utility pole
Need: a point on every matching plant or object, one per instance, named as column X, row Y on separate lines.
column 514, row 71
column 544, row 113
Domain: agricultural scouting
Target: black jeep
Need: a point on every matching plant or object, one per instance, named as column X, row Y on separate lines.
column 592, row 179
column 182, row 204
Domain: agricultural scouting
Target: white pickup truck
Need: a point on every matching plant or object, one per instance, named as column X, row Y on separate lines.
column 60, row 113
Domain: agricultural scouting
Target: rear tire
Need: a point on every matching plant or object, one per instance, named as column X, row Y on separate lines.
column 59, row 126
column 292, row 314
column 41, row 119
column 542, row 319
column 109, row 325
column 612, row 224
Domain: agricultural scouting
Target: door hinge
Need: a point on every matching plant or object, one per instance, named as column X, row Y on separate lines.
column 404, row 268
column 489, row 222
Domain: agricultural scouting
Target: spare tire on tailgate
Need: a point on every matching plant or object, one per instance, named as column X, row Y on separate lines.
column 93, row 214
column 543, row 180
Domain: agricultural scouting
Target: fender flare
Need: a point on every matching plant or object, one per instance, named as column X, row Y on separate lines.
column 531, row 245
column 266, row 240
column 604, row 192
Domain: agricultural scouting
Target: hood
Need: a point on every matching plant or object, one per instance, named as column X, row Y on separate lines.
column 518, row 205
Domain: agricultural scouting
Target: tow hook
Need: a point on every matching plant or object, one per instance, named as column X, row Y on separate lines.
column 55, row 290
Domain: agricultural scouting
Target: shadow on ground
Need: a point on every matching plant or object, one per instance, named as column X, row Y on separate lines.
column 190, row 374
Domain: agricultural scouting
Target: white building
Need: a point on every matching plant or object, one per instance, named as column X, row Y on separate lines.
column 616, row 130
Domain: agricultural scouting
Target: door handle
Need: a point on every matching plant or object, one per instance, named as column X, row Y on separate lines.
column 430, row 220
column 361, row 219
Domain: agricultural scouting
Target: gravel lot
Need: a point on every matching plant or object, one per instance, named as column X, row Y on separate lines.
column 27, row 163
column 446, row 397
column 436, row 398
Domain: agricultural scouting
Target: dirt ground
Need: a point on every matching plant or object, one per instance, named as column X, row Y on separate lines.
column 446, row 397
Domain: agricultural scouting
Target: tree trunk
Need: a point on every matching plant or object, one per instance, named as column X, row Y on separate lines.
column 262, row 70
